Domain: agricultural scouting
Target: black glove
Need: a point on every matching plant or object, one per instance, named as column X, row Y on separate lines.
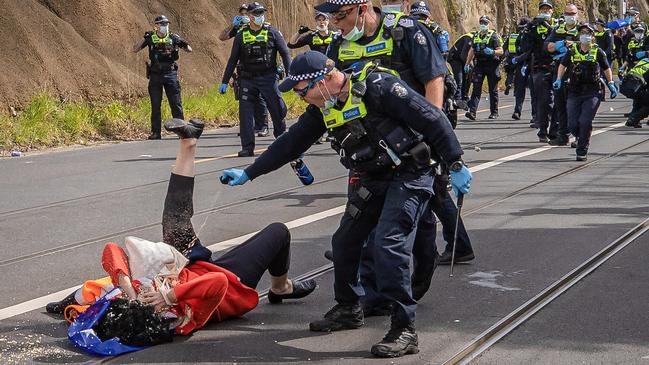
column 303, row 29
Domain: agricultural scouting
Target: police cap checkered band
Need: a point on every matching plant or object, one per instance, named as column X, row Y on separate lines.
column 419, row 8
column 545, row 3
column 330, row 6
column 306, row 66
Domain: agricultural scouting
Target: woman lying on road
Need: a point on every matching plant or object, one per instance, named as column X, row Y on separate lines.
column 205, row 290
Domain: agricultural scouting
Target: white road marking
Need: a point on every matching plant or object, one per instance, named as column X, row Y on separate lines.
column 39, row 303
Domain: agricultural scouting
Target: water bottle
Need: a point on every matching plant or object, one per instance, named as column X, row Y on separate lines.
column 302, row 172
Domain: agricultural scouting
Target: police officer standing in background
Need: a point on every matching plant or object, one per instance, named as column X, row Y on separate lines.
column 162, row 72
column 420, row 11
column 363, row 112
column 583, row 64
column 486, row 49
column 558, row 42
column 261, row 111
column 254, row 53
column 457, row 56
column 317, row 40
column 520, row 77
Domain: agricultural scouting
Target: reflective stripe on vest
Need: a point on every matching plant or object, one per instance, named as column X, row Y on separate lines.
column 379, row 46
column 577, row 56
column 317, row 41
column 157, row 40
column 511, row 43
column 354, row 107
column 561, row 29
column 641, row 68
column 248, row 37
column 479, row 40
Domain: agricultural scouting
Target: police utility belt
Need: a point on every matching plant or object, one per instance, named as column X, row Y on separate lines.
column 372, row 145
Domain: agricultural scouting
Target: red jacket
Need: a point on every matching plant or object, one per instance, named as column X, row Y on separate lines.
column 206, row 291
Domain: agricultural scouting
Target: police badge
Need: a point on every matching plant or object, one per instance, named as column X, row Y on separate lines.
column 398, row 90
column 420, row 38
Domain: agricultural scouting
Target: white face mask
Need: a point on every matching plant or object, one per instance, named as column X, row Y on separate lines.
column 585, row 38
column 570, row 19
column 356, row 34
column 394, row 8
column 259, row 20
column 322, row 28
column 484, row 27
column 164, row 29
column 546, row 16
column 330, row 101
column 245, row 20
column 638, row 35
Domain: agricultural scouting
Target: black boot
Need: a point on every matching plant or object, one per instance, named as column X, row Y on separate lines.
column 340, row 317
column 191, row 129
column 59, row 307
column 470, row 115
column 397, row 342
column 516, row 116
column 460, row 258
column 300, row 290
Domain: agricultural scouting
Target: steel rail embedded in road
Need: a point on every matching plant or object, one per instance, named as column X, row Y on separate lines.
column 509, row 323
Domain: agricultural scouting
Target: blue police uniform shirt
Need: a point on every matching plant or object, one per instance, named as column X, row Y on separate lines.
column 386, row 97
column 419, row 47
column 237, row 47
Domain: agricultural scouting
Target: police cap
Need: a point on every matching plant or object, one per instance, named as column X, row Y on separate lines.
column 638, row 27
column 419, row 8
column 161, row 19
column 306, row 66
column 321, row 14
column 485, row 19
column 600, row 21
column 256, row 8
column 633, row 11
column 546, row 3
column 587, row 26
column 331, row 6
column 243, row 7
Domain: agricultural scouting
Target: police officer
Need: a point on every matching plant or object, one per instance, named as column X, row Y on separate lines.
column 254, row 53
column 457, row 56
column 486, row 49
column 583, row 64
column 261, row 111
column 401, row 43
column 604, row 39
column 162, row 72
column 558, row 42
column 363, row 112
column 420, row 11
column 635, row 87
column 317, row 40
column 637, row 47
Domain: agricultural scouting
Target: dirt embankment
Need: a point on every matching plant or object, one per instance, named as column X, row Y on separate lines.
column 82, row 48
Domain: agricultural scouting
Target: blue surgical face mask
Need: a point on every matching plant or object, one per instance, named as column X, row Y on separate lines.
column 585, row 38
column 484, row 27
column 638, row 35
column 164, row 29
column 356, row 33
column 570, row 19
column 395, row 8
column 245, row 20
column 259, row 20
column 546, row 16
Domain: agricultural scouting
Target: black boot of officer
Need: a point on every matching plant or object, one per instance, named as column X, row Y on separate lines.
column 163, row 71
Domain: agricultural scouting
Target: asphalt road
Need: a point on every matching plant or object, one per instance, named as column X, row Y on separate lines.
column 533, row 214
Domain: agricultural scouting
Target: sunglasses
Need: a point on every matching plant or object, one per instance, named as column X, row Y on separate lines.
column 342, row 14
column 309, row 86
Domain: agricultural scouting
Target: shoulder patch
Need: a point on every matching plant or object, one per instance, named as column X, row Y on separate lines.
column 420, row 38
column 399, row 90
column 406, row 23
column 390, row 19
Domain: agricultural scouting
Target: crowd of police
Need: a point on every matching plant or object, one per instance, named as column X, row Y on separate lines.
column 385, row 87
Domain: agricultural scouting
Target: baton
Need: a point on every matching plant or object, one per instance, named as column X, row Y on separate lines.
column 460, row 201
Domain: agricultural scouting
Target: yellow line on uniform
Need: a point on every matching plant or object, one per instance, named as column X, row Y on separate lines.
column 224, row 156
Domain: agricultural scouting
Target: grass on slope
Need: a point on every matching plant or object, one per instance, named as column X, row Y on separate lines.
column 45, row 122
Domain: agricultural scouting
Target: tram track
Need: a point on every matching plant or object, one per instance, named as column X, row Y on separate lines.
column 507, row 324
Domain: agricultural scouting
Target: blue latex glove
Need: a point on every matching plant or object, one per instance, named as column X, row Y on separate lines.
column 237, row 20
column 234, row 177
column 223, row 88
column 559, row 44
column 556, row 85
column 461, row 181
column 640, row 55
column 488, row 51
column 613, row 89
column 524, row 70
column 514, row 61
column 467, row 68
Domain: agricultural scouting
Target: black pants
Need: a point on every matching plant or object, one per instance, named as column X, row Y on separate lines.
column 267, row 250
column 169, row 82
column 491, row 71
column 542, row 80
column 461, row 79
column 521, row 83
column 581, row 109
column 640, row 106
column 250, row 89
column 559, row 124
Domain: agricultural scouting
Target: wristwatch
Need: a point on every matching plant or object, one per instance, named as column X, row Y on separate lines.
column 456, row 166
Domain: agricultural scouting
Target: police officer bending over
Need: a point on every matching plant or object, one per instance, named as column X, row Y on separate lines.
column 254, row 53
column 385, row 131
column 317, row 40
column 162, row 72
column 583, row 64
column 486, row 48
column 635, row 87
